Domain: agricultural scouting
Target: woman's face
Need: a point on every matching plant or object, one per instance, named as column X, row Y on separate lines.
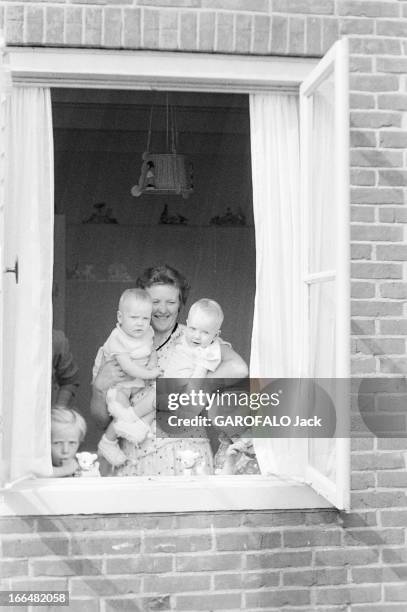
column 166, row 306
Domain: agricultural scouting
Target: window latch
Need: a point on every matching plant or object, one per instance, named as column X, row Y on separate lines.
column 13, row 270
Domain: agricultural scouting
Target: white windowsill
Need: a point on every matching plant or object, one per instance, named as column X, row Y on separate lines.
column 156, row 494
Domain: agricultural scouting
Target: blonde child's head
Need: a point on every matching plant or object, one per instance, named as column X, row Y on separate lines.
column 134, row 312
column 204, row 321
column 68, row 430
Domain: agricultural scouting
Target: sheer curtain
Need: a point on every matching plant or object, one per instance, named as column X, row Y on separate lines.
column 277, row 313
column 29, row 193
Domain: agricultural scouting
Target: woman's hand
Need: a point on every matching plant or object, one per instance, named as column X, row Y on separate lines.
column 109, row 374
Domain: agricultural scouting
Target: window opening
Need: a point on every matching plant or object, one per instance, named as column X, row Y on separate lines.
column 104, row 237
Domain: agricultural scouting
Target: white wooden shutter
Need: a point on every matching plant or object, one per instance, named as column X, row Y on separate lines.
column 324, row 121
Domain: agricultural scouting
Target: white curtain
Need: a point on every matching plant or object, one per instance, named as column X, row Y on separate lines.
column 29, row 209
column 276, row 350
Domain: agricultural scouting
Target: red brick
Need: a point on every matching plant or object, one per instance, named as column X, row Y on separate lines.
column 375, row 46
column 73, row 25
column 395, row 592
column 349, row 26
column 375, row 119
column 246, row 580
column 180, row 543
column 375, row 308
column 248, row 541
column 103, row 587
column 93, row 27
column 66, row 567
column 362, row 481
column 394, row 327
column 374, row 83
column 363, row 214
column 14, row 22
column 314, row 577
column 379, row 499
column 393, row 215
column 278, row 559
column 353, row 556
column 376, row 270
column 176, row 584
column 189, row 31
column 348, row 595
column 34, row 546
column 375, row 158
column 206, row 31
column 54, row 32
column 139, row 564
column 392, row 101
column 278, row 598
column 150, row 34
column 391, row 28
column 330, row 33
column 137, row 604
column 168, row 29
column 279, row 34
column 379, row 574
column 367, row 8
column 112, row 28
column 317, row 7
column 363, row 290
column 105, row 544
column 296, row 36
column 224, row 32
column 362, row 100
column 261, row 34
column 362, row 327
column 132, row 28
column 361, row 251
column 370, row 537
column 365, row 138
column 34, row 20
column 13, row 568
column 243, row 33
column 378, row 233
column 310, row 538
column 391, row 64
column 208, row 562
column 395, row 518
column 313, row 36
column 218, row 601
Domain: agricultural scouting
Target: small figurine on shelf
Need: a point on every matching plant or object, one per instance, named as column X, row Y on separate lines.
column 229, row 218
column 84, row 272
column 118, row 272
column 150, row 176
column 167, row 219
column 101, row 214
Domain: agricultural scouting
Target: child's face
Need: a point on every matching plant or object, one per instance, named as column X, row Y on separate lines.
column 134, row 318
column 64, row 442
column 202, row 328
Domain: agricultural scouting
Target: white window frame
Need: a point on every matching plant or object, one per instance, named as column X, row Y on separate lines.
column 177, row 72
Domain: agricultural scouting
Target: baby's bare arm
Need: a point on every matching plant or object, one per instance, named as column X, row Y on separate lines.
column 134, row 370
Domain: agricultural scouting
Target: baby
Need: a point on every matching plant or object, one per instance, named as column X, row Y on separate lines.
column 199, row 349
column 68, row 429
column 131, row 344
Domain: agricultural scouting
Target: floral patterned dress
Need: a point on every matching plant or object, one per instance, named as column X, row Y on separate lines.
column 160, row 456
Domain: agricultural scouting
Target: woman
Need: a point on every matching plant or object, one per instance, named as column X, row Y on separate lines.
column 168, row 290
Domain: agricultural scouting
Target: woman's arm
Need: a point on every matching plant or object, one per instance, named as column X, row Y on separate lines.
column 231, row 366
column 109, row 374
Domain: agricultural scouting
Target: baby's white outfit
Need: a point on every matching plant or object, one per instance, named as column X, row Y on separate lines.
column 139, row 350
column 127, row 424
column 186, row 358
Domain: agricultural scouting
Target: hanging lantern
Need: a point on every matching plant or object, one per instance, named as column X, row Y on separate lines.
column 164, row 173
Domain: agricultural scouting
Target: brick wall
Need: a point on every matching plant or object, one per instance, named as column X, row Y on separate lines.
column 296, row 561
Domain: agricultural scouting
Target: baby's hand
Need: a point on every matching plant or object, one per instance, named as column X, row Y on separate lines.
column 237, row 447
column 153, row 373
